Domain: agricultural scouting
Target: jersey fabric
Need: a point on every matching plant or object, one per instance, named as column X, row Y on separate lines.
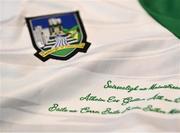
column 165, row 12
column 127, row 81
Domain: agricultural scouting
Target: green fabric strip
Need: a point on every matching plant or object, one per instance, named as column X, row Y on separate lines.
column 166, row 12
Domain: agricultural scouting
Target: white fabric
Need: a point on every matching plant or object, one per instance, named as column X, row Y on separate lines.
column 128, row 47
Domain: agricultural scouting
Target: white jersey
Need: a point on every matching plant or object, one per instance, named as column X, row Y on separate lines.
column 127, row 80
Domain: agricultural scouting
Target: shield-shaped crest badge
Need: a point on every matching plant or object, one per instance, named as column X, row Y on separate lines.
column 57, row 36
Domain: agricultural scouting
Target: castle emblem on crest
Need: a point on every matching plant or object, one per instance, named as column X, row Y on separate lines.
column 58, row 36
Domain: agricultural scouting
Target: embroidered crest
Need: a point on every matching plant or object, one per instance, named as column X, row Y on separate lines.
column 58, row 36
